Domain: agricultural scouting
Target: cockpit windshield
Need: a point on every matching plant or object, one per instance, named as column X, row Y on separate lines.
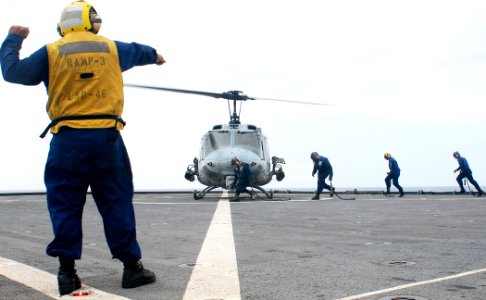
column 216, row 140
column 248, row 140
column 220, row 139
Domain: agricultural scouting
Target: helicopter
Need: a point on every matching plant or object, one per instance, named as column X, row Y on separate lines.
column 224, row 142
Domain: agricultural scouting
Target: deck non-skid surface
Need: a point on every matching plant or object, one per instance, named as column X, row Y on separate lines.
column 376, row 247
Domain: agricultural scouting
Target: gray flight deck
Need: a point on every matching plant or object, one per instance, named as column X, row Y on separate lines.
column 421, row 246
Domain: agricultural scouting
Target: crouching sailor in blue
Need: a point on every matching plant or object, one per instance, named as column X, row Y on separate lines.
column 323, row 168
column 392, row 175
column 244, row 177
column 465, row 172
column 82, row 72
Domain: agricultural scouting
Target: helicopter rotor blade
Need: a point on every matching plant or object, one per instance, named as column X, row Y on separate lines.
column 292, row 101
column 230, row 95
column 209, row 94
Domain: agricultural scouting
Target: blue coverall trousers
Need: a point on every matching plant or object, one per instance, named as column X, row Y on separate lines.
column 469, row 177
column 321, row 182
column 95, row 158
column 393, row 178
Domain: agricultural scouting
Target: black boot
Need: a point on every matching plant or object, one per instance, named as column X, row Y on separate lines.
column 480, row 193
column 135, row 275
column 236, row 198
column 316, row 197
column 67, row 278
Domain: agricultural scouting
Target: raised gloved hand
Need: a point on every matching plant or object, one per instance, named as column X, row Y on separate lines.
column 19, row 30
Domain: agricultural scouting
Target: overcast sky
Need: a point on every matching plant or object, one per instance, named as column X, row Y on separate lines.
column 405, row 77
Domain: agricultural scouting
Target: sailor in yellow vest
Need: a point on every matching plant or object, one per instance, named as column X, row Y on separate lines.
column 82, row 72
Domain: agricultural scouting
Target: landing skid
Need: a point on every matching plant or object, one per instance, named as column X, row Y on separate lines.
column 200, row 195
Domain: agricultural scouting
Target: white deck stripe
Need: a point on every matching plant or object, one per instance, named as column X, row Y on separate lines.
column 215, row 275
column 411, row 285
column 44, row 282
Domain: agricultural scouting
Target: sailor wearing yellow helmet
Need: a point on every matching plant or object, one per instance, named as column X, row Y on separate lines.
column 82, row 72
column 392, row 175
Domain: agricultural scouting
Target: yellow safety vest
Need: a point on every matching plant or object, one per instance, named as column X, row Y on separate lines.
column 85, row 83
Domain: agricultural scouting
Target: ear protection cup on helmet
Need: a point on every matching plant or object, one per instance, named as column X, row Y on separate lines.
column 59, row 31
column 95, row 24
column 95, row 21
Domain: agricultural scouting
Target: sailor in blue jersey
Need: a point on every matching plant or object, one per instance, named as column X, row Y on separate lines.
column 82, row 75
column 465, row 172
column 392, row 175
column 244, row 177
column 323, row 168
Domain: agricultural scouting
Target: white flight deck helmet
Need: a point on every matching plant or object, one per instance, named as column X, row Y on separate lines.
column 79, row 16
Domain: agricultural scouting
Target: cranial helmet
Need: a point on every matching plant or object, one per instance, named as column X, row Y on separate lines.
column 456, row 154
column 314, row 155
column 79, row 16
column 387, row 155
